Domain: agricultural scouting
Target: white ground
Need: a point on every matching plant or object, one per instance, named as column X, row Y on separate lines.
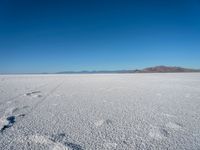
column 89, row 112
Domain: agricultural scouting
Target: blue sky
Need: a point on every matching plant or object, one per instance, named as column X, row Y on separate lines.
column 61, row 35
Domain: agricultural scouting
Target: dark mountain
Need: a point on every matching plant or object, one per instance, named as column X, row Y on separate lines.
column 165, row 69
column 157, row 69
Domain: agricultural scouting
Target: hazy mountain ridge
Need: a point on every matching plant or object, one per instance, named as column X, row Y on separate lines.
column 168, row 69
column 156, row 69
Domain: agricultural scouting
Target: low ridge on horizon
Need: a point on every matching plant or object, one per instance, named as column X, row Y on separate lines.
column 155, row 69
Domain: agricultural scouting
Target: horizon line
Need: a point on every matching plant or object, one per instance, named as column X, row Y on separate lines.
column 118, row 71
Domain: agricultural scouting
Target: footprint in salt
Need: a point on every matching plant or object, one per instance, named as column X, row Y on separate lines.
column 158, row 133
column 174, row 126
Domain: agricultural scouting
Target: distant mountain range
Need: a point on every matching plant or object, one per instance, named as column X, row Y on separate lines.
column 156, row 69
column 160, row 69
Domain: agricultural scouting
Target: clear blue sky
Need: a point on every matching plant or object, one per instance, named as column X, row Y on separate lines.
column 61, row 35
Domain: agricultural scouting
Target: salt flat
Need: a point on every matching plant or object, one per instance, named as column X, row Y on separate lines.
column 102, row 111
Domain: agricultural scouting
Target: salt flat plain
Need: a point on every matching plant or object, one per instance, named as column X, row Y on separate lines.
column 100, row 111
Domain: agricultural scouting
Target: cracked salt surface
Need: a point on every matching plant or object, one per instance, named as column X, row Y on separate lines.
column 81, row 112
column 38, row 139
